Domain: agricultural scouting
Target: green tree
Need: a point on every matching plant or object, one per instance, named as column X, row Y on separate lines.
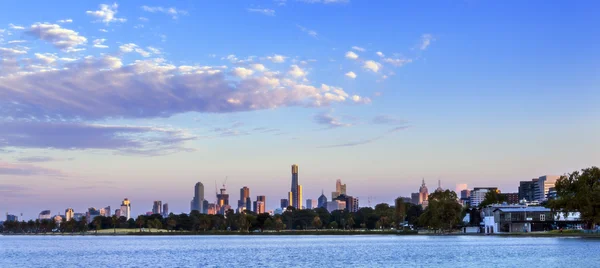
column 97, row 223
column 492, row 197
column 269, row 225
column 279, row 224
column 333, row 225
column 317, row 222
column 171, row 223
column 114, row 220
column 157, row 224
column 443, row 211
column 140, row 221
column 579, row 191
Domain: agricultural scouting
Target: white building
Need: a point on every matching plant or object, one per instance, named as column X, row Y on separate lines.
column 69, row 214
column 477, row 195
column 126, row 209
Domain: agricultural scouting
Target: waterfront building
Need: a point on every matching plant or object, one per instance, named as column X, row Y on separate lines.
column 523, row 218
column 69, row 213
column 296, row 199
column 157, row 207
column 45, row 215
column 284, row 203
column 165, row 210
column 322, row 200
column 126, row 208
column 197, row 202
column 478, row 195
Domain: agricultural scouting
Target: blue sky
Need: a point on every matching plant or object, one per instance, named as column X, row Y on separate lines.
column 141, row 99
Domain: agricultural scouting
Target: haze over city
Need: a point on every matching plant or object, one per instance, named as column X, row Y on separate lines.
column 101, row 101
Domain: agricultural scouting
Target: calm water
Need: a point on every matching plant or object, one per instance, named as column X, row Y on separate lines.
column 297, row 251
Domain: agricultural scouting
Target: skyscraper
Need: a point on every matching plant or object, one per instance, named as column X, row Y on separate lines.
column 44, row 215
column 544, row 183
column 157, row 207
column 69, row 213
column 340, row 189
column 259, row 205
column 290, row 199
column 105, row 212
column 223, row 201
column 126, row 209
column 310, row 204
column 322, row 200
column 244, row 195
column 423, row 195
column 299, row 197
column 165, row 210
column 198, row 200
column 284, row 203
column 295, row 201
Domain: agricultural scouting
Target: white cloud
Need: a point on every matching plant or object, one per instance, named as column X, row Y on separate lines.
column 17, row 41
column 351, row 55
column 310, row 32
column 372, row 65
column 276, row 58
column 297, row 72
column 154, row 50
column 10, row 52
column 242, row 72
column 99, row 43
column 143, row 18
column 265, row 11
column 380, row 54
column 397, row 62
column 351, row 75
column 426, row 40
column 61, row 38
column 131, row 47
column 106, row 13
column 329, row 120
column 358, row 48
column 361, row 100
column 64, row 21
column 103, row 30
column 171, row 11
column 258, row 67
column 46, row 58
column 16, row 27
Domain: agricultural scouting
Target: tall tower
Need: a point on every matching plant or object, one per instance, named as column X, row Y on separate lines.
column 244, row 195
column 198, row 200
column 295, row 201
column 299, row 206
column 126, row 209
column 157, row 207
column 69, row 214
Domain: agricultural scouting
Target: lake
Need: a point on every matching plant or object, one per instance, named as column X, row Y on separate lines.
column 297, row 251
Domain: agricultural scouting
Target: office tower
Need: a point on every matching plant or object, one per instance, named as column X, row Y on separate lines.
column 351, row 203
column 248, row 204
column 527, row 190
column 126, row 209
column 44, row 215
column 423, row 195
column 544, row 184
column 105, row 212
column 322, row 200
column 69, row 213
column 244, row 195
column 290, row 199
column 299, row 197
column 439, row 189
column 197, row 202
column 414, row 198
column 91, row 214
column 261, row 202
column 339, row 187
column 223, row 201
column 296, row 200
column 157, row 207
column 165, row 210
column 205, row 207
column 211, row 209
column 478, row 195
column 284, row 203
column 465, row 196
column 335, row 205
column 11, row 218
column 309, row 204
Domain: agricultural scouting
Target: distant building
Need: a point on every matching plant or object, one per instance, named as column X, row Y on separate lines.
column 300, row 197
column 414, row 198
column 340, row 189
column 478, row 195
column 45, row 215
column 544, row 184
column 222, row 201
column 335, row 205
column 126, row 209
column 527, row 190
column 259, row 205
column 511, row 198
column 296, row 199
column 423, row 195
column 439, row 188
column 69, row 214
column 197, row 202
column 57, row 219
column 165, row 210
column 352, row 204
column 10, row 217
column 284, row 203
column 118, row 213
column 157, row 207
column 212, row 209
column 78, row 216
column 310, row 204
column 105, row 212
column 290, row 199
column 244, row 197
column 91, row 214
column 322, row 200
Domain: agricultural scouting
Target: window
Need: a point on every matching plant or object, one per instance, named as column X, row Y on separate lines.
column 542, row 217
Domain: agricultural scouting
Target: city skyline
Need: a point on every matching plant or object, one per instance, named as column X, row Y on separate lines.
column 101, row 101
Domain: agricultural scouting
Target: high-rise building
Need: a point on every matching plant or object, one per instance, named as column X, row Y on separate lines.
column 157, row 207
column 414, row 198
column 205, row 207
column 211, row 209
column 527, row 190
column 126, row 209
column 478, row 195
column 352, row 203
column 340, row 189
column 299, row 197
column 290, row 199
column 296, row 200
column 45, row 215
column 69, row 213
column 105, row 212
column 511, row 198
column 310, row 204
column 284, row 203
column 335, row 205
column 544, row 184
column 322, row 200
column 165, row 210
column 465, row 196
column 259, row 204
column 91, row 214
column 223, row 201
column 197, row 202
column 10, row 217
column 423, row 195
column 244, row 195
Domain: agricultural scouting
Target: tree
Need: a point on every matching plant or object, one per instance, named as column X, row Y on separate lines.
column 579, row 191
column 333, row 225
column 269, row 224
column 279, row 224
column 492, row 197
column 157, row 224
column 115, row 220
column 317, row 222
column 443, row 212
column 400, row 212
column 97, row 223
column 140, row 222
column 171, row 223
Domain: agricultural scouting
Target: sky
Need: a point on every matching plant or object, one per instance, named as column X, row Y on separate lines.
column 101, row 101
